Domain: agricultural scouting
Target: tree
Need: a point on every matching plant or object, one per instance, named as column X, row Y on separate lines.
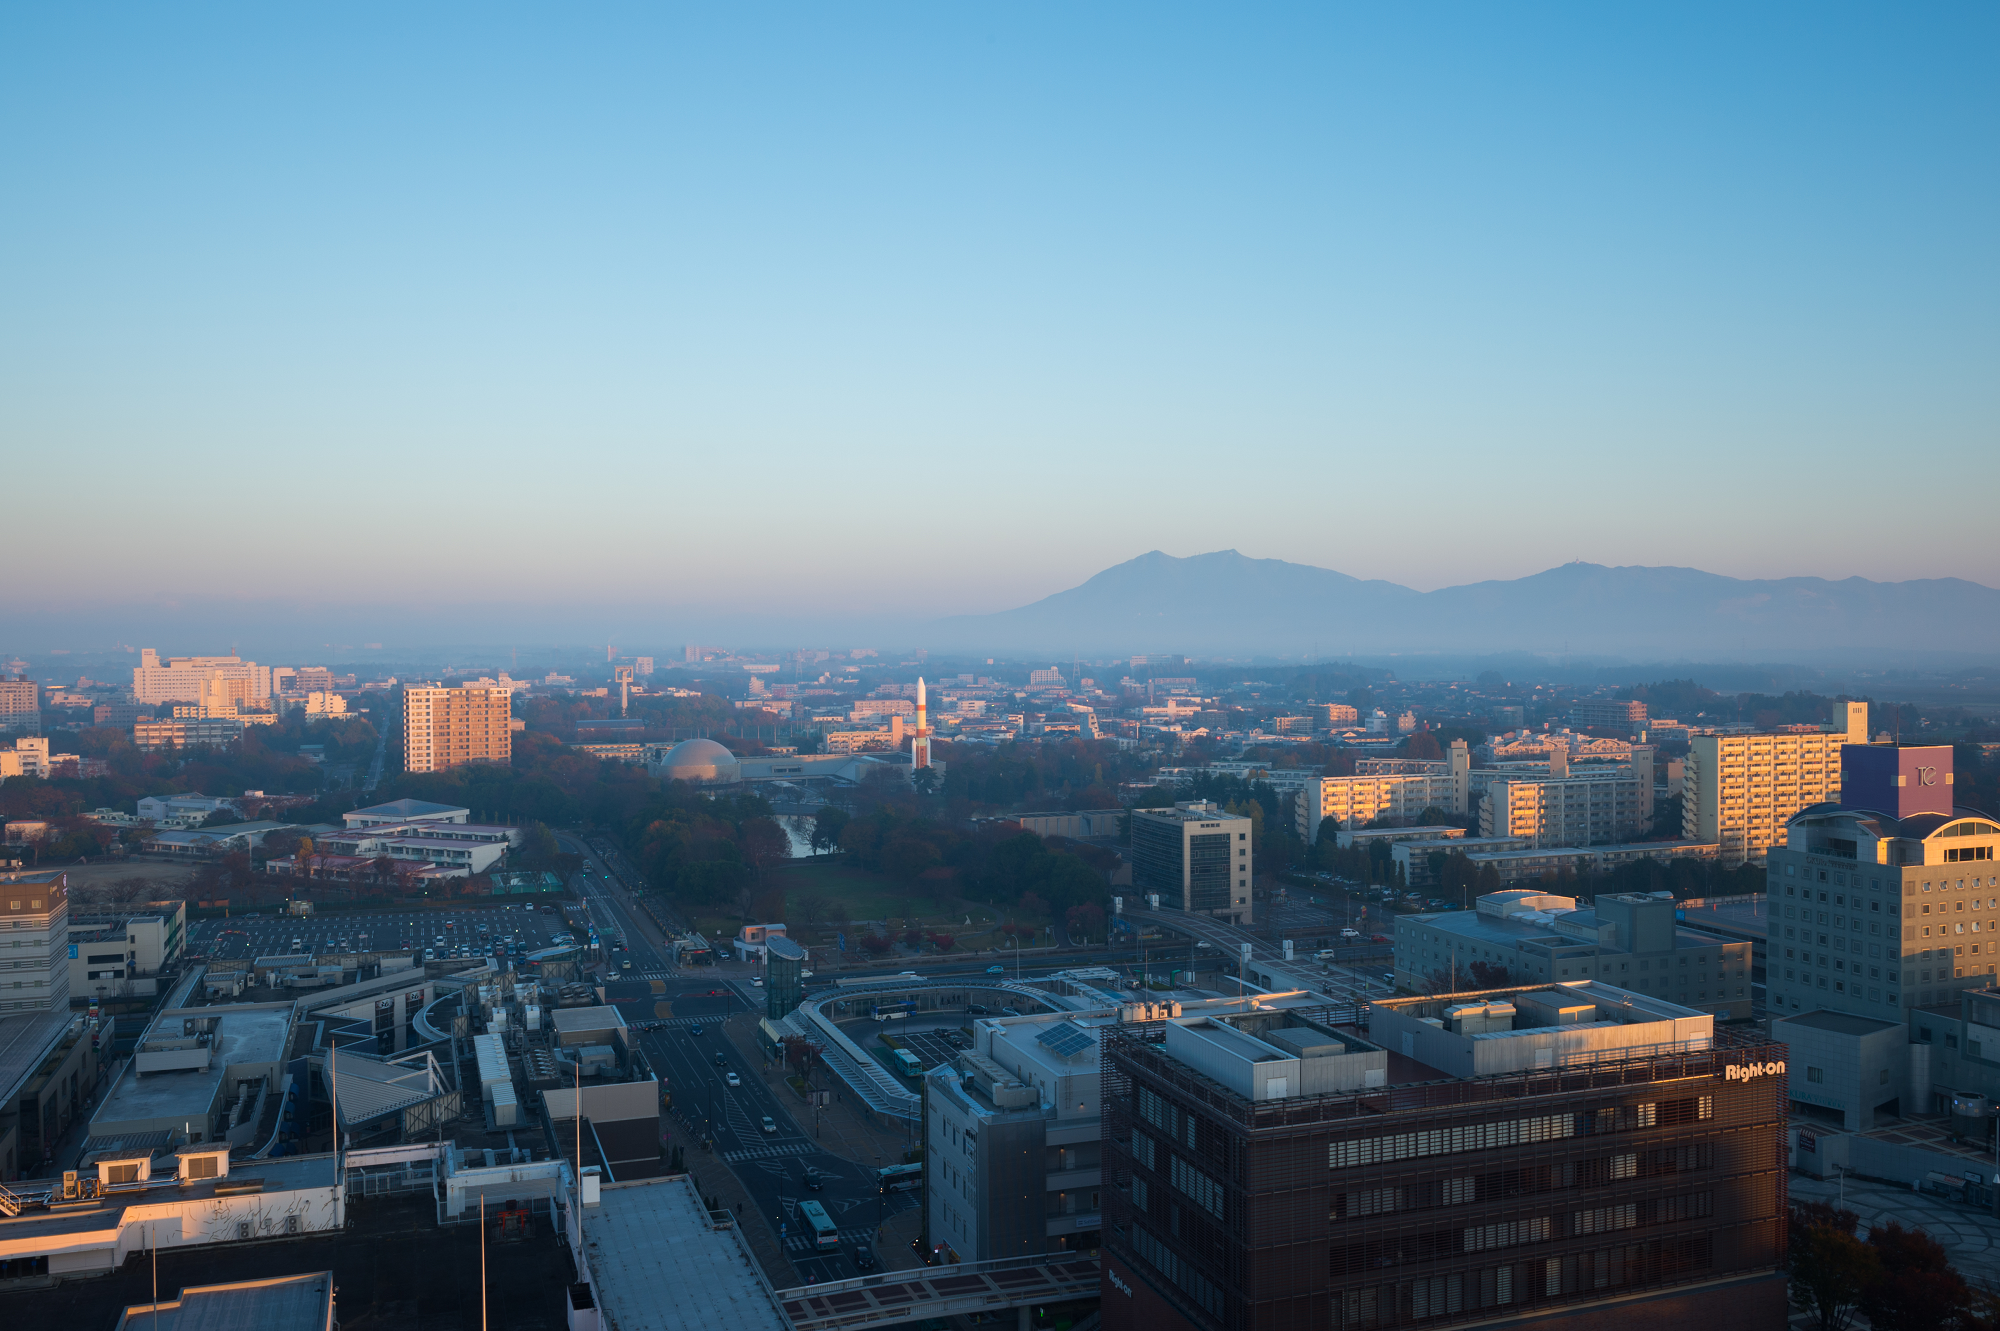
column 1488, row 976
column 1916, row 1289
column 925, row 779
column 913, row 937
column 875, row 944
column 942, row 942
column 763, row 844
column 1085, row 921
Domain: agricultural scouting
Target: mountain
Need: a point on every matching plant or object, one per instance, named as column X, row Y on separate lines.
column 1225, row 604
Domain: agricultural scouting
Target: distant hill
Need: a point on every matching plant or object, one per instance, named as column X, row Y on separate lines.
column 1224, row 604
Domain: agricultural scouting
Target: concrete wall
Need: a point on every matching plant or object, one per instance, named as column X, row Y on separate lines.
column 607, row 1104
column 1858, row 1074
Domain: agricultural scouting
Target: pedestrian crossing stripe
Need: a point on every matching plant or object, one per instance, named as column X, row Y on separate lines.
column 770, row 1152
column 862, row 1238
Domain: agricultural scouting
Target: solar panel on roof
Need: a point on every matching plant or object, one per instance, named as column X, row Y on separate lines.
column 1066, row 1038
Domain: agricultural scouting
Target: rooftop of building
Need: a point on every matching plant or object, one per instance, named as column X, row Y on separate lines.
column 1537, row 927
column 292, row 1173
column 242, row 1033
column 25, row 1040
column 1191, row 811
column 276, row 1303
column 406, row 808
column 1744, row 915
column 1590, row 1031
column 655, row 1235
column 1843, row 1023
column 398, row 1270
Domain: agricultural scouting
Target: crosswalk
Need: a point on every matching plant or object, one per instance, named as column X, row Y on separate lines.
column 774, row 1151
column 850, row 1239
column 672, row 1023
column 648, row 975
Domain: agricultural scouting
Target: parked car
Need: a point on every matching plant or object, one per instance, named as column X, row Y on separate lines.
column 770, row 1125
column 732, row 1080
column 975, row 1010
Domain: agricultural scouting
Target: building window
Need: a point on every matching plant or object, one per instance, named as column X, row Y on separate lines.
column 1815, row 1075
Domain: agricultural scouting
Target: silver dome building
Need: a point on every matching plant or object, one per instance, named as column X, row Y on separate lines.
column 701, row 761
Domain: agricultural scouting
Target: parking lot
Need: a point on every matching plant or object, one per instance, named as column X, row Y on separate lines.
column 387, row 930
column 928, row 1043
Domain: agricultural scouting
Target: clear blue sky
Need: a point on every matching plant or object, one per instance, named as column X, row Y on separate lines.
column 825, row 306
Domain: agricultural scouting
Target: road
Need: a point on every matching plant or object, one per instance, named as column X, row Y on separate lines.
column 687, row 1006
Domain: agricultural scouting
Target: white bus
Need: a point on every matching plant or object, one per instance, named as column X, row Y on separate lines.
column 824, row 1232
column 901, row 1178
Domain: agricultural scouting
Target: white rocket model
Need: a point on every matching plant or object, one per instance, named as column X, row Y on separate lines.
column 920, row 742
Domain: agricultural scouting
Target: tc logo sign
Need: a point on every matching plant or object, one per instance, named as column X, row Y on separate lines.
column 1751, row 1071
column 1926, row 776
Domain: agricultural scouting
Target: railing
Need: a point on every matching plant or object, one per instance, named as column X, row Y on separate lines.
column 939, row 1291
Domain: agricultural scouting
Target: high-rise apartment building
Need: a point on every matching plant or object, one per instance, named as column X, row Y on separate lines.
column 1738, row 790
column 182, row 678
column 1590, row 807
column 20, row 704
column 1355, row 801
column 1194, row 857
column 447, row 727
column 34, row 912
column 1511, row 1157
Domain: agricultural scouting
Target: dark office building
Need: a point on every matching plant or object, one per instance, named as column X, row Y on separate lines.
column 1528, row 1158
column 1195, row 857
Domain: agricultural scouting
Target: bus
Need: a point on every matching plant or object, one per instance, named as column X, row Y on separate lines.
column 891, row 1011
column 814, row 1217
column 909, row 1064
column 901, row 1178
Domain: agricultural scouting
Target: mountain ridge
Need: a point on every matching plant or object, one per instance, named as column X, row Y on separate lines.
column 1226, row 603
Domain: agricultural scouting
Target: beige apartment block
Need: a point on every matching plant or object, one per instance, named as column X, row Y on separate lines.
column 1355, row 801
column 1738, row 790
column 448, row 727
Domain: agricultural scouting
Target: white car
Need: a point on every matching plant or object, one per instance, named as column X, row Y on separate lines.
column 770, row 1125
column 732, row 1080
column 1350, row 933
column 757, row 981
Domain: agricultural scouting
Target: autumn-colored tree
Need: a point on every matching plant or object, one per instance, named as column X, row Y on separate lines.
column 1916, row 1288
column 1085, row 922
column 875, row 944
column 943, row 942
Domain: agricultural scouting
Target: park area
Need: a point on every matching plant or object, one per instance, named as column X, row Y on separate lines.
column 819, row 900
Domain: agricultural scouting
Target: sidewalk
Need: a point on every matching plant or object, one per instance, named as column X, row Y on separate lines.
column 1972, row 1239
